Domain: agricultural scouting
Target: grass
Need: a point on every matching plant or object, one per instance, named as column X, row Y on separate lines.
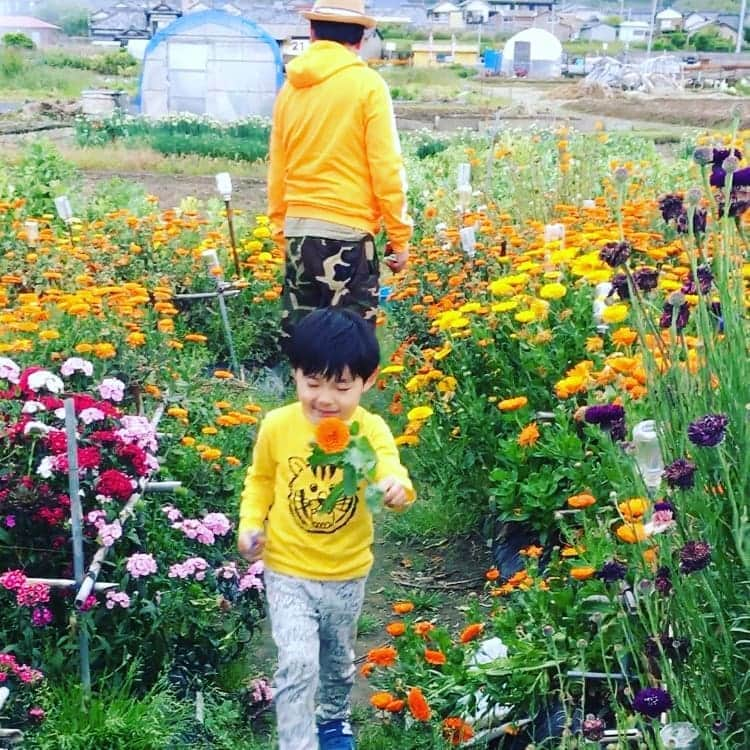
column 423, row 601
column 367, row 624
column 119, row 158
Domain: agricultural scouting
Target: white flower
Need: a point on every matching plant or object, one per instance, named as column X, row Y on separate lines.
column 9, row 370
column 32, row 407
column 45, row 379
column 46, row 467
column 38, row 427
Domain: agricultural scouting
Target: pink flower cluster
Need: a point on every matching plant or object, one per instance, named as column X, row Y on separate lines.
column 193, row 566
column 141, row 565
column 116, row 599
column 27, row 594
column 41, row 617
column 25, row 674
column 204, row 530
column 112, row 389
column 260, row 690
column 251, row 578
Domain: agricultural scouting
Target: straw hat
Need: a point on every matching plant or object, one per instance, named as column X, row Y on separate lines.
column 340, row 11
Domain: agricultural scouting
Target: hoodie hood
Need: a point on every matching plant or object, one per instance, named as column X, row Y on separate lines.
column 320, row 61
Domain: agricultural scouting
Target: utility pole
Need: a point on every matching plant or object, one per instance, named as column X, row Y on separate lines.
column 651, row 27
column 741, row 28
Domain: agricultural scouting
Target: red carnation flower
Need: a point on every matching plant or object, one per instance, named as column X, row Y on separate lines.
column 113, row 483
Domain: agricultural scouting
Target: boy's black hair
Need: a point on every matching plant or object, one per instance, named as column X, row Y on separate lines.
column 333, row 31
column 329, row 340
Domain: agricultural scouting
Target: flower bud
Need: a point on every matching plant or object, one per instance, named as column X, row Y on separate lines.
column 703, row 155
column 693, row 196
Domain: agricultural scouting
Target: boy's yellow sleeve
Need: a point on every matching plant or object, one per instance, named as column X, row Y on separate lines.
column 277, row 174
column 257, row 494
column 389, row 461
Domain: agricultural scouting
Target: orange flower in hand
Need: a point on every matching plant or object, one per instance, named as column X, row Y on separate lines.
column 418, row 705
column 332, row 435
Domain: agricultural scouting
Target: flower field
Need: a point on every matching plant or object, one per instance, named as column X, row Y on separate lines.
column 567, row 377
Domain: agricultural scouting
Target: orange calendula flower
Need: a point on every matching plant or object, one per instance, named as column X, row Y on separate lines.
column 582, row 573
column 456, row 730
column 418, row 706
column 332, row 435
column 633, row 509
column 381, row 700
column 533, row 550
column 366, row 669
column 631, row 533
column 492, row 574
column 402, row 608
column 422, row 628
column 223, row 374
column 434, row 657
column 395, row 629
column 396, row 706
column 584, row 500
column 529, row 435
column 470, row 632
column 512, row 404
column 382, row 657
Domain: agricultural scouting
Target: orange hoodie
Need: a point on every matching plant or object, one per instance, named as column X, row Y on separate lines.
column 335, row 153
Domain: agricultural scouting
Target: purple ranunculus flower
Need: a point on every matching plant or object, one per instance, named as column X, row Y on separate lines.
column 708, row 431
column 593, row 728
column 611, row 571
column 646, row 279
column 671, row 206
column 680, row 474
column 668, row 315
column 614, row 254
column 620, row 285
column 700, row 218
column 652, row 702
column 694, row 556
column 618, row 430
column 663, row 581
column 604, row 414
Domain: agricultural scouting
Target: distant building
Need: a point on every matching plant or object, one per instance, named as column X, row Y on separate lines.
column 428, row 54
column 668, row 20
column 446, row 13
column 598, row 32
column 125, row 20
column 634, row 31
column 475, row 11
column 40, row 32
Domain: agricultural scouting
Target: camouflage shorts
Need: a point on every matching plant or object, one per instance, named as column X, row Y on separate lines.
column 329, row 273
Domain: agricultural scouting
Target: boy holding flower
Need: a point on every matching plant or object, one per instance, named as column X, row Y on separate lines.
column 317, row 549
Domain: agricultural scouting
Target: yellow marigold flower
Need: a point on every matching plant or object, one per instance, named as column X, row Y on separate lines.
column 392, row 370
column 222, row 405
column 84, row 348
column 227, row 420
column 443, row 352
column 594, row 344
column 136, row 338
column 233, row 460
column 104, row 350
column 631, row 533
column 49, row 335
column 408, row 440
column 262, row 232
column 555, row 290
column 252, row 408
column 507, row 306
column 615, row 313
column 211, row 454
column 525, row 316
column 196, row 338
column 208, row 430
column 174, row 344
column 188, row 441
column 582, row 573
column 177, row 411
column 568, row 386
column 165, row 325
column 223, row 374
column 512, row 404
column 633, row 509
column 448, row 384
column 152, row 390
column 416, row 383
column 419, row 413
column 624, row 336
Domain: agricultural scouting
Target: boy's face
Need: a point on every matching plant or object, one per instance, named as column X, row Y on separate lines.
column 330, row 397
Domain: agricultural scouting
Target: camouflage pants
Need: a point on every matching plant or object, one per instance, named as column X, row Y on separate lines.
column 329, row 273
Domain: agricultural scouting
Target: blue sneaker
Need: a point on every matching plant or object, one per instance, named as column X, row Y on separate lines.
column 336, row 735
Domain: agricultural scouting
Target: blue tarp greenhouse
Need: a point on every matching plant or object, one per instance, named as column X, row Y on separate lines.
column 211, row 63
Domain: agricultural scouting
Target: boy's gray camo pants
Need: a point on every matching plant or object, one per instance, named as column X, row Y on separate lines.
column 314, row 626
column 328, row 273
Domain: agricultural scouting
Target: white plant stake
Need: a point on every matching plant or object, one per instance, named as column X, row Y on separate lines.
column 224, row 185
column 65, row 212
column 224, row 188
column 468, row 241
column 32, row 232
column 647, row 455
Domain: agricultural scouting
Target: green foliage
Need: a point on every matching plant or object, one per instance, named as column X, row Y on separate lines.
column 18, row 39
column 11, row 63
column 709, row 40
column 115, row 63
column 430, row 147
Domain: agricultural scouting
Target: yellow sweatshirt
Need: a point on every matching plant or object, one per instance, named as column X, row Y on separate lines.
column 335, row 154
column 282, row 494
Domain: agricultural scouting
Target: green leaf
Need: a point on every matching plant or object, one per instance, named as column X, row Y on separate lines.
column 374, row 498
column 334, row 496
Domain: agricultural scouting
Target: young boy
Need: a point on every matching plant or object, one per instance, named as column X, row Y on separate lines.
column 317, row 563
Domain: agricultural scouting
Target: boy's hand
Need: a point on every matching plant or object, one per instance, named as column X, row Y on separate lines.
column 250, row 544
column 396, row 261
column 394, row 493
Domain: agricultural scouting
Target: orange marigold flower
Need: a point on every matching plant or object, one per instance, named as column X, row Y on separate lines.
column 332, row 435
column 422, row 628
column 381, row 700
column 382, row 657
column 402, row 608
column 631, row 533
column 434, row 657
column 456, row 731
column 533, row 550
column 529, row 435
column 396, row 706
column 584, row 500
column 633, row 509
column 366, row 669
column 395, row 629
column 470, row 632
column 492, row 574
column 418, row 705
column 582, row 573
column 223, row 374
column 512, row 404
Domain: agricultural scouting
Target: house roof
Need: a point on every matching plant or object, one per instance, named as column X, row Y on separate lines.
column 669, row 13
column 25, row 22
column 635, row 24
column 445, row 8
column 443, row 47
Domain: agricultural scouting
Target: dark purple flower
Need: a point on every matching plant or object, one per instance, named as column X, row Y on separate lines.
column 612, row 571
column 708, row 431
column 593, row 728
column 680, row 473
column 663, row 505
column 705, row 279
column 646, row 279
column 694, row 556
column 720, row 154
column 719, row 726
column 673, row 648
column 618, row 430
column 620, row 285
column 604, row 414
column 652, row 702
column 614, row 254
column 663, row 581
column 700, row 218
column 670, row 206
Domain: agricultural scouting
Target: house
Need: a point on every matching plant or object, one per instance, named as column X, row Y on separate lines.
column 108, row 24
column 550, row 20
column 668, row 20
column 475, row 11
column 499, row 6
column 160, row 16
column 598, row 32
column 725, row 24
column 446, row 13
column 40, row 32
column 428, row 54
column 694, row 21
column 634, row 31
